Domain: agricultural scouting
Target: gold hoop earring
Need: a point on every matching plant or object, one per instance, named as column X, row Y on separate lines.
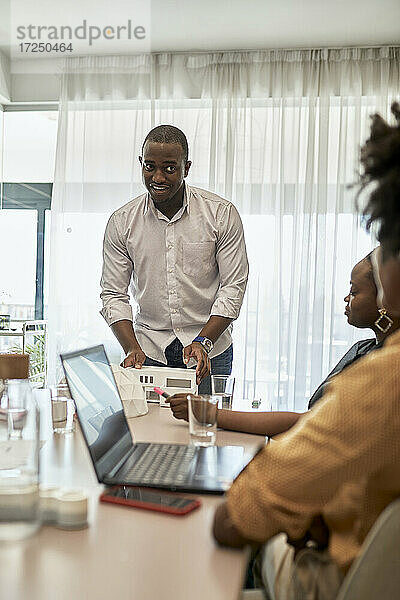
column 383, row 322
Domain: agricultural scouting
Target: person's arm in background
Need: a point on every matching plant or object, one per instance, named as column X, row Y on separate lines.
column 115, row 279
column 123, row 331
column 233, row 269
column 211, row 330
column 214, row 327
column 262, row 423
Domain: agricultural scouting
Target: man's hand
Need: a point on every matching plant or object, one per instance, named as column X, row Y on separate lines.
column 196, row 351
column 135, row 358
column 225, row 531
column 179, row 406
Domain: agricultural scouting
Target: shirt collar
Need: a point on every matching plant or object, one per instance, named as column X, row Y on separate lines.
column 148, row 202
column 186, row 198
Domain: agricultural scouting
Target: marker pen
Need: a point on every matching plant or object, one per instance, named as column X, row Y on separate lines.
column 161, row 392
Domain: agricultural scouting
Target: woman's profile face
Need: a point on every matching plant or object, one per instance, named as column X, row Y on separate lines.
column 361, row 309
column 389, row 271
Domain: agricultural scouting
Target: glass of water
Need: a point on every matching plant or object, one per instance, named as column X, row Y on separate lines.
column 17, row 390
column 223, row 387
column 62, row 409
column 202, row 419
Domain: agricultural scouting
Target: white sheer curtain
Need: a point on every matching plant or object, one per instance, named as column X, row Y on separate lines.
column 276, row 132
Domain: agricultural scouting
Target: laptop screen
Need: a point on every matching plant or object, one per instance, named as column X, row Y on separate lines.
column 99, row 407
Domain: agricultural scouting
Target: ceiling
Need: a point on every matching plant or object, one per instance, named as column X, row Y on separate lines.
column 190, row 25
column 238, row 24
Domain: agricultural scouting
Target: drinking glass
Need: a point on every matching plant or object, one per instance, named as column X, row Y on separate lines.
column 17, row 406
column 223, row 387
column 202, row 419
column 62, row 409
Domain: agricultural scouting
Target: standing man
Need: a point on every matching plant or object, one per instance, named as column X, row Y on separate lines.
column 182, row 250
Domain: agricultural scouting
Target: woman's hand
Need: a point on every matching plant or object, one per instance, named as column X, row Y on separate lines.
column 225, row 531
column 205, row 413
column 179, row 406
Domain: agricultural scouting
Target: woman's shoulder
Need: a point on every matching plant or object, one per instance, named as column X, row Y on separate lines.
column 392, row 340
column 382, row 360
column 364, row 346
column 370, row 382
column 355, row 352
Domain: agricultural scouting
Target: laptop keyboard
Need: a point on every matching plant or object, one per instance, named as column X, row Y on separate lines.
column 162, row 465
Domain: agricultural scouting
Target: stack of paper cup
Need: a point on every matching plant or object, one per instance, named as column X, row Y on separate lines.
column 66, row 509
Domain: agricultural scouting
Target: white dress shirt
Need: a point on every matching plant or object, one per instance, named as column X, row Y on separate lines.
column 181, row 271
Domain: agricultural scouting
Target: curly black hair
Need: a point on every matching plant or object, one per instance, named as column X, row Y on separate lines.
column 380, row 159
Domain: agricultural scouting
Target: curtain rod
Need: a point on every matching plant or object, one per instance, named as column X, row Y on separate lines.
column 279, row 49
column 242, row 51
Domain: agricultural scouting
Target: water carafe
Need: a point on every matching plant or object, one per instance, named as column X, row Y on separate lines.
column 19, row 450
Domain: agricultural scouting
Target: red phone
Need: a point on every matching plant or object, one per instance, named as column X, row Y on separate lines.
column 149, row 499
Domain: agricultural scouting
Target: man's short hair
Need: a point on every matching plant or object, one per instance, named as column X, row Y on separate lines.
column 168, row 134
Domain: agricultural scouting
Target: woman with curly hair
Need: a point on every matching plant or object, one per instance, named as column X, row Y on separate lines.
column 315, row 493
column 380, row 158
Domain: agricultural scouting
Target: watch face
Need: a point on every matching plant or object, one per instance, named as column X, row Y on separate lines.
column 205, row 342
column 208, row 345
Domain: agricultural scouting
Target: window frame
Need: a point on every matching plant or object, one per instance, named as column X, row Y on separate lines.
column 31, row 196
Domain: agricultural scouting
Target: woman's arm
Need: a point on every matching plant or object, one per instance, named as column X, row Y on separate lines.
column 263, row 423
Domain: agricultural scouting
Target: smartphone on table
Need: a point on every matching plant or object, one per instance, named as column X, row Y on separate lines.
column 149, row 499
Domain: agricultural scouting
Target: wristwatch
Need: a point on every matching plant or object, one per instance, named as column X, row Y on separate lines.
column 205, row 342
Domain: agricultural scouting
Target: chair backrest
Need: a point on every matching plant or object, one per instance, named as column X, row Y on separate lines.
column 34, row 343
column 375, row 575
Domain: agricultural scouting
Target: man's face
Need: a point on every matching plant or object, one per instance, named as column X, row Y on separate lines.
column 163, row 170
column 361, row 309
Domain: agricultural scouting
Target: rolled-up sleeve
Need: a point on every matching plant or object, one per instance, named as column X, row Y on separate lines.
column 233, row 265
column 116, row 276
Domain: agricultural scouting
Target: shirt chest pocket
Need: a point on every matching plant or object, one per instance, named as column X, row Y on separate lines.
column 198, row 258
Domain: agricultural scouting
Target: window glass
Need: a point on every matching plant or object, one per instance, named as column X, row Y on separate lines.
column 17, row 271
column 29, row 146
column 1, row 148
column 46, row 260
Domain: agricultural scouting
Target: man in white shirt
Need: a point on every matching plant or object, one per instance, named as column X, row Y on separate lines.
column 182, row 250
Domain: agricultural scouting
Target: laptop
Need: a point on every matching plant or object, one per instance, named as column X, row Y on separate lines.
column 117, row 459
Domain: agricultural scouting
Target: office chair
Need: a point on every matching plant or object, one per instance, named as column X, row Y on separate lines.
column 34, row 343
column 375, row 574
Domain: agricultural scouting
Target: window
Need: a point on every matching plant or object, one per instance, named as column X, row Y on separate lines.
column 18, row 264
column 29, row 146
column 27, row 155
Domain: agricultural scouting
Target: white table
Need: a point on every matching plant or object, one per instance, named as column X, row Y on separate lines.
column 124, row 554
